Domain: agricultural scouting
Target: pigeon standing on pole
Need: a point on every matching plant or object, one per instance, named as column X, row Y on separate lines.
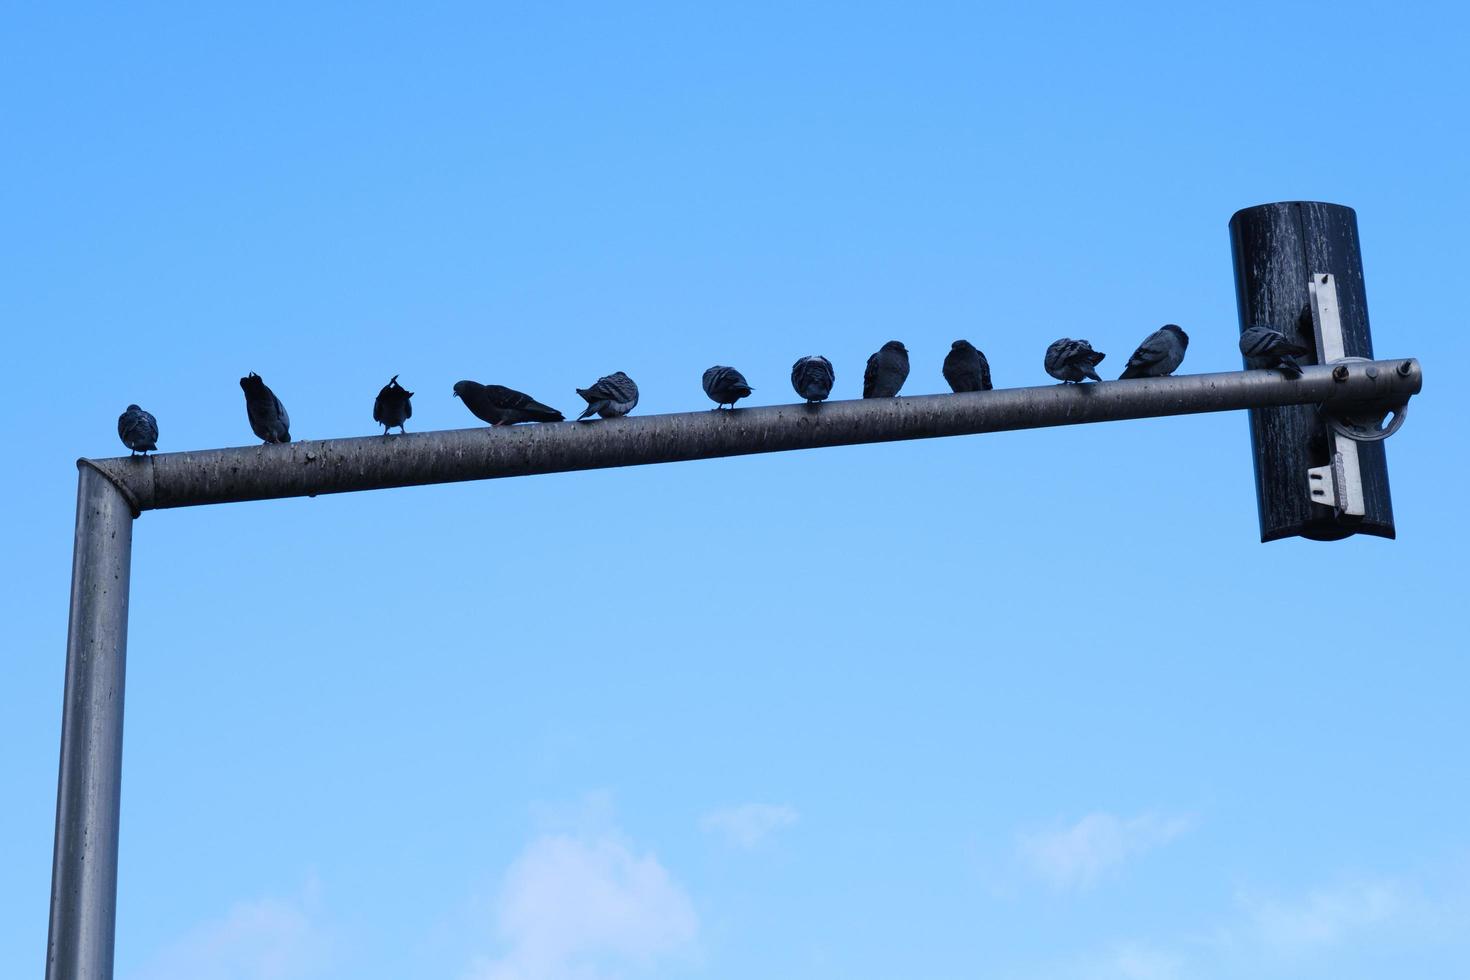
column 812, row 378
column 1160, row 353
column 725, row 386
column 499, row 405
column 268, row 418
column 1267, row 348
column 611, row 397
column 886, row 371
column 138, row 430
column 965, row 368
column 392, row 406
column 1072, row 360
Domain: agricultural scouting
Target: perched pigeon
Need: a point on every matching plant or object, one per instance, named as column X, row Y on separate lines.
column 392, row 406
column 725, row 386
column 1267, row 348
column 1072, row 360
column 502, row 406
column 268, row 418
column 886, row 371
column 138, row 430
column 812, row 378
column 1160, row 353
column 611, row 397
column 965, row 368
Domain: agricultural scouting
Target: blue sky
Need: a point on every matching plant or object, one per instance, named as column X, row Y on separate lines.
column 1033, row 705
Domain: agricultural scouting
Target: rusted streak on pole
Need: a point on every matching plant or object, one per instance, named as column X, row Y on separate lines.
column 379, row 462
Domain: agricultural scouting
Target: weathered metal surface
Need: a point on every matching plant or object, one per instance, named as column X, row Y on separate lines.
column 1277, row 248
column 376, row 462
column 88, row 792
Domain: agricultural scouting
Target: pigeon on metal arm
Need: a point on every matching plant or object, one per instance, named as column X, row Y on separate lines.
column 268, row 418
column 138, row 430
column 392, row 406
column 1159, row 355
column 1070, row 360
column 612, row 396
column 499, row 405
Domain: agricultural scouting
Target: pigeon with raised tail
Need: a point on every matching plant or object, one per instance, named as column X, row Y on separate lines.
column 392, row 406
column 611, row 397
column 1070, row 360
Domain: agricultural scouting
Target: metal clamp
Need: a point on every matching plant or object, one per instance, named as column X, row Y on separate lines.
column 1339, row 484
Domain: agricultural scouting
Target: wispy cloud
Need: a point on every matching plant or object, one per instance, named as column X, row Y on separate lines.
column 263, row 939
column 1075, row 856
column 585, row 907
column 1324, row 917
column 749, row 824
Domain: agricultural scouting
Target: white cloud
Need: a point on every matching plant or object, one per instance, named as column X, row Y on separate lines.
column 749, row 824
column 1324, row 917
column 265, row 939
column 584, row 908
column 1076, row 856
column 1135, row 962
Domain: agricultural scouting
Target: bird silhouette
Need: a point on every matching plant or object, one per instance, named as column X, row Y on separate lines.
column 268, row 418
column 965, row 368
column 392, row 406
column 611, row 396
column 812, row 378
column 1267, row 348
column 886, row 372
column 138, row 430
column 499, row 405
column 1159, row 355
column 1072, row 360
column 725, row 386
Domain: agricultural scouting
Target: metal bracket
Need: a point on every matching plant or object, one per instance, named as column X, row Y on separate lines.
column 1339, row 484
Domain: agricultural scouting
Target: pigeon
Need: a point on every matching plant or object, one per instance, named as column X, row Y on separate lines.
column 725, row 386
column 886, row 371
column 268, row 418
column 138, row 430
column 965, row 368
column 1267, row 348
column 1160, row 353
column 613, row 396
column 812, row 378
column 502, row 406
column 392, row 406
column 1072, row 360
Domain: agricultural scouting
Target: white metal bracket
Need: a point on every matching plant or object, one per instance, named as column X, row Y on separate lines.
column 1339, row 484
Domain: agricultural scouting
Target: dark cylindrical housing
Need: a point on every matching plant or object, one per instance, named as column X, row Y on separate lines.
column 1277, row 248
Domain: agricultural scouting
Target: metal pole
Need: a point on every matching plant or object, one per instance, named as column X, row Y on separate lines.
column 217, row 476
column 1278, row 248
column 88, row 790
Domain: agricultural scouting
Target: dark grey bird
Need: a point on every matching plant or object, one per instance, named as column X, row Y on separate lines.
column 499, row 405
column 725, row 386
column 1160, row 353
column 611, row 397
column 268, row 418
column 392, row 406
column 886, row 371
column 138, row 430
column 965, row 368
column 1072, row 360
column 1267, row 348
column 812, row 378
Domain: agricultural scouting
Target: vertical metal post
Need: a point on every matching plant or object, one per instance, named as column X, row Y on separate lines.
column 88, row 790
column 1277, row 249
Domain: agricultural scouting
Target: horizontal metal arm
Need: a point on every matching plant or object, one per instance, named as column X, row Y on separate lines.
column 308, row 468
